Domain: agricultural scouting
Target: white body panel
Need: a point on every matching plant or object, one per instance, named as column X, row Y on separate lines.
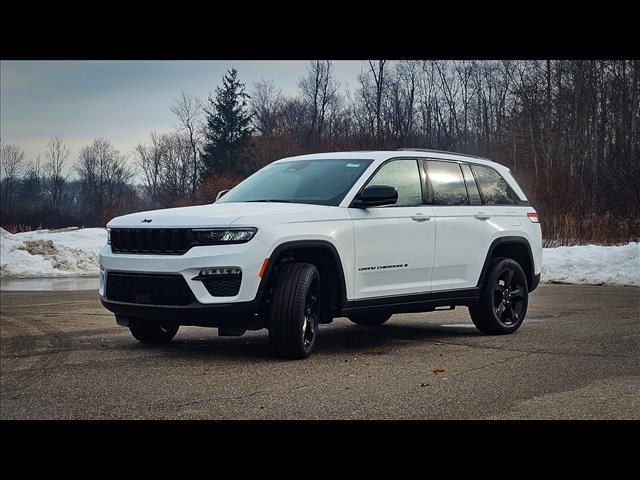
column 394, row 251
column 462, row 243
column 444, row 253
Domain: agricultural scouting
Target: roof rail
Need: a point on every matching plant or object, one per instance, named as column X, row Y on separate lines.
column 441, row 151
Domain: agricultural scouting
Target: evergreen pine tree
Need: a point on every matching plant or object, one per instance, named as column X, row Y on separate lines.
column 228, row 126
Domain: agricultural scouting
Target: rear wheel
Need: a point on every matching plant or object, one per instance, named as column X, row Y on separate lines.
column 146, row 331
column 296, row 310
column 370, row 320
column 503, row 300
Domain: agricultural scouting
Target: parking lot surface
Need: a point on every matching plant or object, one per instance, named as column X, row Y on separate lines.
column 576, row 357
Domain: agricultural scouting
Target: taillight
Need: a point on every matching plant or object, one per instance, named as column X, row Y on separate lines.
column 534, row 217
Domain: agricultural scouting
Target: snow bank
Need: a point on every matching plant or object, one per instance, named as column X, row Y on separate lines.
column 68, row 253
column 592, row 264
column 51, row 253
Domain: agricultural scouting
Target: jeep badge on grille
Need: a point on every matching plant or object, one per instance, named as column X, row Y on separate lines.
column 146, row 220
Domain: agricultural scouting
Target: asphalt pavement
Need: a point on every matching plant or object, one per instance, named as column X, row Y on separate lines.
column 575, row 357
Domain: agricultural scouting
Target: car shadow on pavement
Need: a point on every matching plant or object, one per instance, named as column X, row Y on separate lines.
column 332, row 339
column 361, row 339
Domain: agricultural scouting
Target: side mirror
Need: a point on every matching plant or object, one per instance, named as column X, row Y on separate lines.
column 376, row 196
column 220, row 194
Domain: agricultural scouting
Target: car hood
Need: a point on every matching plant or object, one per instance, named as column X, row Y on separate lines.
column 212, row 215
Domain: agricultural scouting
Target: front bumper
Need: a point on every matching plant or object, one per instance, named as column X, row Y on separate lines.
column 246, row 256
column 231, row 315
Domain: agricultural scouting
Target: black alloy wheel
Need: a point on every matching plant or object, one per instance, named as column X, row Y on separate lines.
column 504, row 298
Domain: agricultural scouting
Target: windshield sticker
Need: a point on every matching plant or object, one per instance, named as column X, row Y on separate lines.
column 352, row 165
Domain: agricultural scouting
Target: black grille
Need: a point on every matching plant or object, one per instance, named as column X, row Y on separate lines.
column 149, row 289
column 158, row 241
column 223, row 285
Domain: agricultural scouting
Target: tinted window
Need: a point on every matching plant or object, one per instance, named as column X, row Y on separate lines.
column 447, row 183
column 405, row 177
column 472, row 188
column 322, row 182
column 495, row 189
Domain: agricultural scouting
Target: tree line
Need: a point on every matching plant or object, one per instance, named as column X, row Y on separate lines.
column 567, row 129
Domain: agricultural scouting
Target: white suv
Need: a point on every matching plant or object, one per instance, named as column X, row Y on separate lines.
column 306, row 239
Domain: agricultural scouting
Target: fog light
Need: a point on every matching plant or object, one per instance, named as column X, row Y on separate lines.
column 220, row 271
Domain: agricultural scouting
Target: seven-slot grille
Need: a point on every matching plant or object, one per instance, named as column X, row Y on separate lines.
column 159, row 241
column 149, row 289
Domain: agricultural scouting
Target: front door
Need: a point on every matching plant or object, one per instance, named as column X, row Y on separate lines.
column 395, row 244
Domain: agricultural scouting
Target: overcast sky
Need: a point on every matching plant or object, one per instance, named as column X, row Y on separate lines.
column 123, row 101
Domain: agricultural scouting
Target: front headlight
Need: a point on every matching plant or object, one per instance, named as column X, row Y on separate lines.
column 108, row 236
column 215, row 236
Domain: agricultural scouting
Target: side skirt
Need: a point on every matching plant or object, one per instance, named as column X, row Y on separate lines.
column 414, row 303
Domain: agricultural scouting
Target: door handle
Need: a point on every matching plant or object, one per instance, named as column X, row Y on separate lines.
column 482, row 216
column 420, row 217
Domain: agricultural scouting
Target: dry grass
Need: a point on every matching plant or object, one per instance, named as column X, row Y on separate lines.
column 20, row 228
column 572, row 229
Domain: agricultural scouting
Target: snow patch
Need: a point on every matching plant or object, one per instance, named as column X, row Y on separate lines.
column 592, row 264
column 51, row 253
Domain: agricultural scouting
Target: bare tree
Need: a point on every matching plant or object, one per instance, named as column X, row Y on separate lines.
column 266, row 103
column 166, row 168
column 12, row 163
column 149, row 161
column 379, row 80
column 56, row 156
column 104, row 174
column 188, row 109
column 32, row 187
column 319, row 90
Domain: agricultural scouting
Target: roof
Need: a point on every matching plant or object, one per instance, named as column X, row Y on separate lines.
column 382, row 155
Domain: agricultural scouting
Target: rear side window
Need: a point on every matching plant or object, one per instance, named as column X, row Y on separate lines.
column 495, row 189
column 472, row 188
column 447, row 183
column 405, row 177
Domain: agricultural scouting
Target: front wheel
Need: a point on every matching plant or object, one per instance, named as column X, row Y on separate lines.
column 295, row 311
column 503, row 300
column 146, row 331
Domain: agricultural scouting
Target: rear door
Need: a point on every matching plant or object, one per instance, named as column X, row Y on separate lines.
column 395, row 244
column 465, row 227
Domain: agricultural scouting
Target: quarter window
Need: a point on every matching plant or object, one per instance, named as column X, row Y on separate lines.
column 447, row 183
column 495, row 189
column 405, row 177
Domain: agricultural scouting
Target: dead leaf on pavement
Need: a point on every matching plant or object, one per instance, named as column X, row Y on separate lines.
column 438, row 370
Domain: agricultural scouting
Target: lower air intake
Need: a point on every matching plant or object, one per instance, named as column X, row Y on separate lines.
column 148, row 289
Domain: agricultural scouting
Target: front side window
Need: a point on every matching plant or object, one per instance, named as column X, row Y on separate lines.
column 447, row 183
column 319, row 182
column 405, row 177
column 495, row 189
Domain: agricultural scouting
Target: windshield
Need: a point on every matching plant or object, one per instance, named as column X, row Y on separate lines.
column 320, row 182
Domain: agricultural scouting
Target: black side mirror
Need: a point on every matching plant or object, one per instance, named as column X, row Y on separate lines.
column 376, row 196
column 220, row 194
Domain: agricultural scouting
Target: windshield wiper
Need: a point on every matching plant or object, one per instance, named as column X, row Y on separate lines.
column 273, row 201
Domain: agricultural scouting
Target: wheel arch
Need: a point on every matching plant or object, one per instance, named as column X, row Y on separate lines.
column 322, row 253
column 516, row 248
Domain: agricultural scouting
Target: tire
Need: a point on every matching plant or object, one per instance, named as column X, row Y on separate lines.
column 370, row 320
column 295, row 311
column 503, row 300
column 148, row 331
